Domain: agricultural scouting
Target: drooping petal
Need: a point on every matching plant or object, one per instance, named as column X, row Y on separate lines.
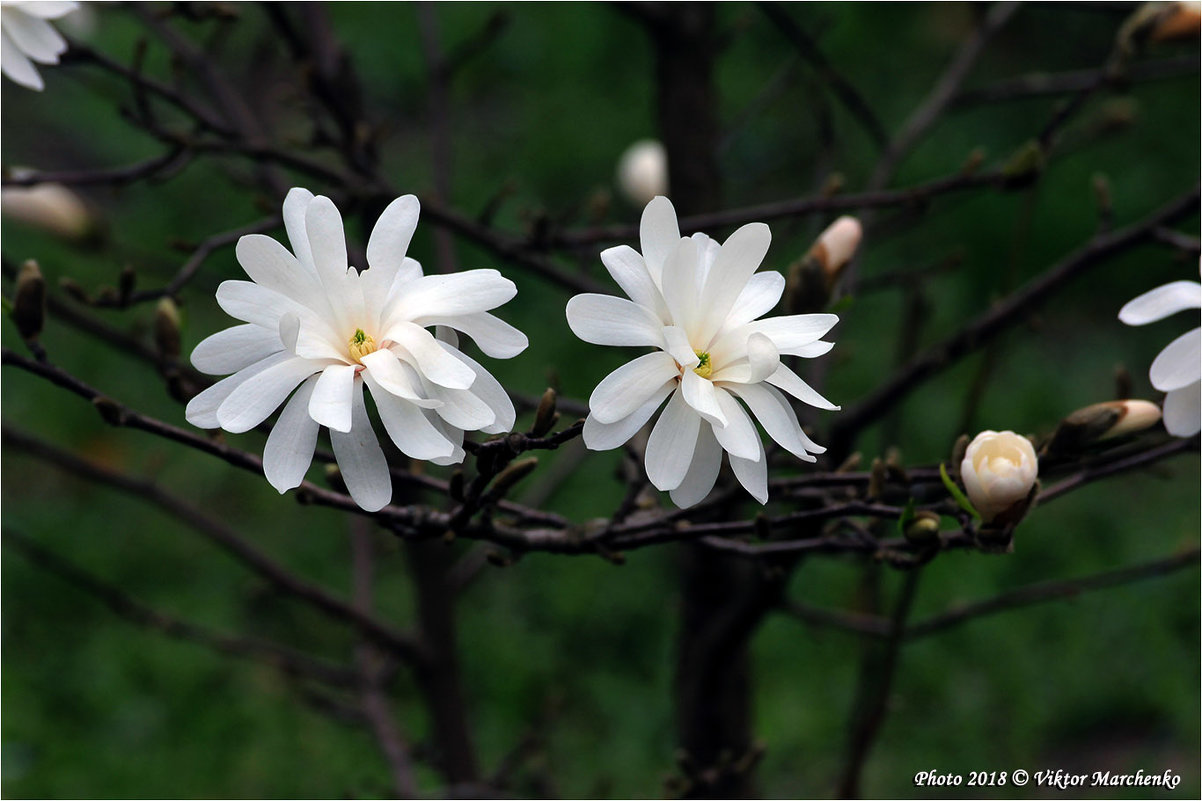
column 295, row 205
column 739, row 437
column 777, row 418
column 17, row 66
column 813, row 350
column 630, row 386
column 490, row 391
column 600, row 436
column 752, row 473
column 1179, row 364
column 681, row 291
column 257, row 397
column 461, row 408
column 494, row 336
column 394, row 376
column 289, row 449
column 671, row 444
column 606, row 320
column 234, row 348
column 790, row 382
column 1183, row 410
column 330, row 404
column 36, row 37
column 1162, row 302
column 759, row 297
column 458, row 293
column 629, row 270
column 703, row 471
column 739, row 257
column 361, row 461
column 407, row 425
column 394, row 230
column 699, row 393
column 659, row 235
column 795, row 331
column 434, row 363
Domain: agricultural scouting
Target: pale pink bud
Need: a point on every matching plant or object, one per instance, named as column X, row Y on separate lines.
column 837, row 244
column 998, row 471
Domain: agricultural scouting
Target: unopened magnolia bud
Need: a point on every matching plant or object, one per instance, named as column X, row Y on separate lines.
column 836, row 246
column 1102, row 421
column 51, row 207
column 545, row 417
column 999, row 471
column 643, row 172
column 166, row 329
column 923, row 528
column 29, row 301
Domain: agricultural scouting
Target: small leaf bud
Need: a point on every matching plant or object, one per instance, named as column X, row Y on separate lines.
column 544, row 418
column 29, row 302
column 166, row 329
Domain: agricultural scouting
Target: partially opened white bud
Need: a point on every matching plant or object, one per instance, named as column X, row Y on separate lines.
column 52, row 207
column 1134, row 415
column 643, row 172
column 998, row 471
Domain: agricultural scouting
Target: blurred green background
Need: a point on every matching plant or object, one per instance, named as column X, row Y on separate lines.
column 577, row 649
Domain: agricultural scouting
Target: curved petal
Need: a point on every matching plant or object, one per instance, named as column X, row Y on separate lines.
column 48, row 9
column 682, row 293
column 1179, row 364
column 457, row 293
column 628, row 269
column 269, row 263
column 17, row 66
column 659, row 235
column 257, row 397
column 490, row 391
column 461, row 408
column 740, row 256
column 740, row 437
column 364, row 468
column 703, row 472
column 777, row 418
column 289, row 449
column 1183, row 410
column 1162, row 302
column 327, row 243
column 36, row 37
column 606, row 320
column 295, row 204
column 434, row 363
column 790, row 382
column 330, row 404
column 494, row 336
column 676, row 342
column 408, row 426
column 752, row 473
column 671, row 444
column 234, row 348
column 252, row 303
column 759, row 297
column 630, row 386
column 391, row 375
column 390, row 238
column 699, row 393
column 600, row 436
column 813, row 350
column 794, row 331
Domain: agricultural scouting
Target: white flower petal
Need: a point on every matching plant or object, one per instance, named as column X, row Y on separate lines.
column 699, row 393
column 17, row 66
column 394, row 230
column 707, row 254
column 289, row 449
column 752, row 473
column 739, row 437
column 659, row 235
column 494, row 336
column 327, row 242
column 361, row 461
column 790, row 382
column 253, row 303
column 1183, row 410
column 600, row 436
column 257, row 397
column 1179, row 364
column 234, row 348
column 46, row 9
column 434, row 363
column 202, row 409
column 739, row 257
column 676, row 342
column 1162, row 302
column 408, row 426
column 681, row 290
column 703, row 472
column 671, row 444
column 777, row 418
column 629, row 270
column 461, row 408
column 606, row 320
column 759, row 297
column 36, row 37
column 794, row 332
column 813, row 350
column 295, row 205
column 269, row 263
column 630, row 386
column 490, row 391
column 390, row 374
column 458, row 293
column 330, row 404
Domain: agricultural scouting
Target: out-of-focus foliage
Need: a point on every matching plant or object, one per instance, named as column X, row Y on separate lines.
column 575, row 648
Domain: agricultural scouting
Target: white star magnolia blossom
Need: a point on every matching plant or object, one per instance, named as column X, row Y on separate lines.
column 310, row 320
column 699, row 305
column 26, row 37
column 1177, row 371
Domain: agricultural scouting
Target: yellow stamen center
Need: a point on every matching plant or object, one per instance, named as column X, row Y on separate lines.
column 705, row 369
column 361, row 345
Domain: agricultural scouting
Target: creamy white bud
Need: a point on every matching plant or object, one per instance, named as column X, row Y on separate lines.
column 837, row 244
column 51, row 207
column 1136, row 415
column 998, row 471
column 643, row 172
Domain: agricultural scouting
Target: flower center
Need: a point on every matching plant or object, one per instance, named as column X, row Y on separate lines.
column 705, row 369
column 361, row 345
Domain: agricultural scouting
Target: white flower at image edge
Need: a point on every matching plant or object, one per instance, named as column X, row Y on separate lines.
column 28, row 37
column 699, row 305
column 313, row 321
column 1177, row 371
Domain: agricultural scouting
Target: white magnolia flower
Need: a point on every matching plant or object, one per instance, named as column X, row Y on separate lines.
column 311, row 321
column 28, row 37
column 1177, row 371
column 643, row 171
column 998, row 471
column 699, row 306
